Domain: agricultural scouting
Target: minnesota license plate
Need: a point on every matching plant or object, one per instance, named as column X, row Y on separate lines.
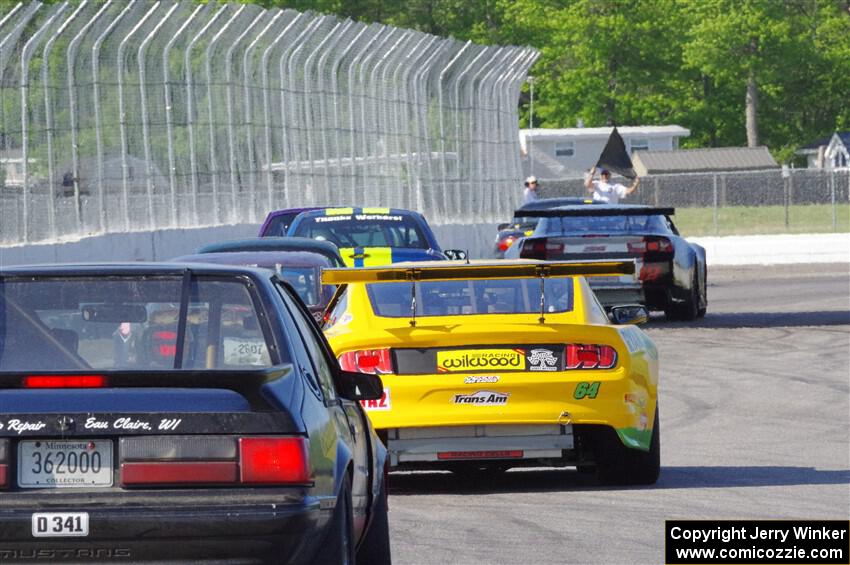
column 65, row 463
column 60, row 524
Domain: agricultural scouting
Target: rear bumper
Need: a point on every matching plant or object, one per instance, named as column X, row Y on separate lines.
column 251, row 533
column 427, row 447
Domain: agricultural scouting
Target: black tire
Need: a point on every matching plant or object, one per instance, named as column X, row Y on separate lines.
column 620, row 465
column 704, row 287
column 338, row 546
column 689, row 309
column 375, row 548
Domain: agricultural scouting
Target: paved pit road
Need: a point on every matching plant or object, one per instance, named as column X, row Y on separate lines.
column 755, row 416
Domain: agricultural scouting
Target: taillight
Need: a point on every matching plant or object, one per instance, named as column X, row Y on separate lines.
column 503, row 244
column 4, row 463
column 274, row 460
column 653, row 271
column 193, row 460
column 540, row 249
column 372, row 361
column 589, row 356
column 64, row 381
column 651, row 246
column 165, row 343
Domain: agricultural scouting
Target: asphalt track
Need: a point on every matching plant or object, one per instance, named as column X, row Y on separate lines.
column 755, row 412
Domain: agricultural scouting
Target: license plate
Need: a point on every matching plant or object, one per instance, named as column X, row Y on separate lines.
column 65, row 463
column 60, row 524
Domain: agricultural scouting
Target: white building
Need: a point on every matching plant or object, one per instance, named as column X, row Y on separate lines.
column 570, row 152
column 829, row 153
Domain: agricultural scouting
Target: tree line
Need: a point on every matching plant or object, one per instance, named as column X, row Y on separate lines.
column 734, row 72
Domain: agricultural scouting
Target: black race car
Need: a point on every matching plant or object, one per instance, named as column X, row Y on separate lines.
column 523, row 224
column 671, row 271
column 224, row 431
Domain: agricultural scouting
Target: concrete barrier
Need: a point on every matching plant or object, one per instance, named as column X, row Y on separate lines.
column 477, row 239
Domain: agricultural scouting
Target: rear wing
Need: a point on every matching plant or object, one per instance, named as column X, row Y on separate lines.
column 585, row 211
column 473, row 271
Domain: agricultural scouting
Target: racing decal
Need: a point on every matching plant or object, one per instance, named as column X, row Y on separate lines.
column 476, row 379
column 366, row 256
column 542, row 360
column 376, row 210
column 339, row 211
column 380, row 405
column 586, row 390
column 482, row 398
column 482, row 359
column 477, row 359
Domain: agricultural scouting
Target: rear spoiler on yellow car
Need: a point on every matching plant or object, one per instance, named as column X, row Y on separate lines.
column 484, row 270
column 473, row 271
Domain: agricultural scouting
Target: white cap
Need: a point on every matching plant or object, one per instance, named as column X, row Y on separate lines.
column 531, row 179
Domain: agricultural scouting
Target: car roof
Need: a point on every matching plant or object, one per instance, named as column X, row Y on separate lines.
column 545, row 203
column 275, row 213
column 131, row 269
column 359, row 210
column 285, row 258
column 272, row 244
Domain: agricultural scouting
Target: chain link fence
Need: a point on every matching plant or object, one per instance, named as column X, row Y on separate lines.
column 740, row 203
column 143, row 115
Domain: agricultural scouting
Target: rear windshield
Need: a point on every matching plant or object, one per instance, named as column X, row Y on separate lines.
column 279, row 225
column 77, row 324
column 364, row 230
column 469, row 297
column 604, row 224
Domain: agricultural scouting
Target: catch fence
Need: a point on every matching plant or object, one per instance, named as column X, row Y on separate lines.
column 141, row 115
column 740, row 202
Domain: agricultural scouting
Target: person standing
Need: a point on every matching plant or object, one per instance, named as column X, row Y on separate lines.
column 603, row 191
column 530, row 193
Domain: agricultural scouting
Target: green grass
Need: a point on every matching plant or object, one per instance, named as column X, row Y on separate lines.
column 757, row 220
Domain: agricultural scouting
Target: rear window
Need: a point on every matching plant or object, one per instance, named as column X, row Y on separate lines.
column 123, row 323
column 471, row 297
column 364, row 230
column 604, row 224
column 279, row 225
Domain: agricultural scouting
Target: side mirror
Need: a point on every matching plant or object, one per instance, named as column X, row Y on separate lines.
column 359, row 386
column 504, row 226
column 455, row 254
column 629, row 314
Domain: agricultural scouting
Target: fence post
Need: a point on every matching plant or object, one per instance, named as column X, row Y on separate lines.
column 786, row 182
column 146, row 141
column 231, row 127
column 832, row 198
column 48, row 119
column 208, row 69
column 656, row 182
column 26, row 56
column 98, row 126
column 122, row 117
column 72, row 104
column 714, row 208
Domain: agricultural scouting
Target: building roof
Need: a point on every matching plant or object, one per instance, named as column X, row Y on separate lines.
column 703, row 160
column 844, row 136
column 603, row 133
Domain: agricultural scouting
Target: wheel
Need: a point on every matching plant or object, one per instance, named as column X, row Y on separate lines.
column 375, row 548
column 620, row 465
column 689, row 309
column 704, row 287
column 338, row 547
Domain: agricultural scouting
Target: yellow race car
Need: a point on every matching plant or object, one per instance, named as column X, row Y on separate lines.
column 492, row 365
